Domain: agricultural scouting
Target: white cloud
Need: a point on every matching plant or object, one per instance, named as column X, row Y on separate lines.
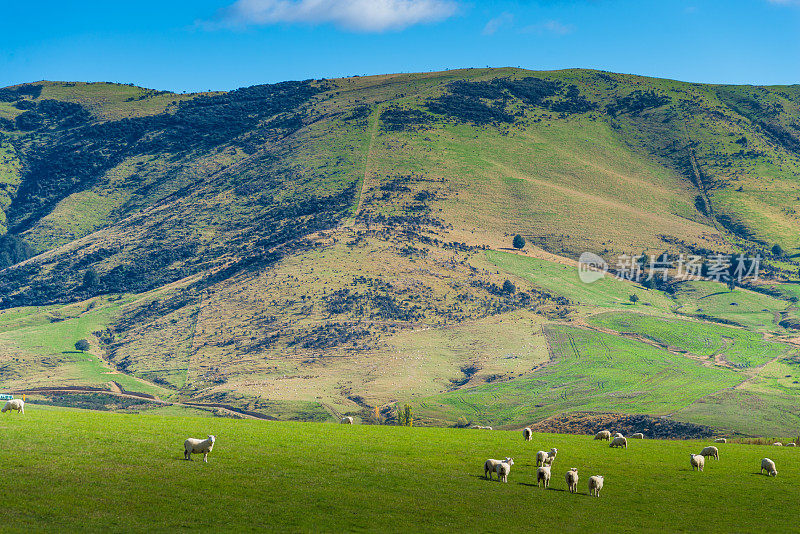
column 353, row 15
column 504, row 19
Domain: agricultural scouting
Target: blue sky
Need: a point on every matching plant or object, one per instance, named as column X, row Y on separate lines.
column 222, row 44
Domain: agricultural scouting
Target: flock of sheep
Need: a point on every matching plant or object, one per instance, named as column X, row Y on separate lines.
column 545, row 459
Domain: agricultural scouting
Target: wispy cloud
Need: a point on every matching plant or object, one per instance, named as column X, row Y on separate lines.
column 785, row 2
column 351, row 15
column 504, row 19
column 551, row 26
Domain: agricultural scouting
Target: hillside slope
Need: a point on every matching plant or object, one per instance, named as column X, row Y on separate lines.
column 312, row 248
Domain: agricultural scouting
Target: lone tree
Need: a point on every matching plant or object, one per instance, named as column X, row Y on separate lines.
column 82, row 345
column 406, row 417
column 634, row 298
column 777, row 250
column 519, row 242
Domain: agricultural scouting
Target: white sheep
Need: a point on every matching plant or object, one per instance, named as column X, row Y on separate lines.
column 710, row 451
column 572, row 480
column 604, row 435
column 720, row 440
column 490, row 465
column 527, row 434
column 347, row 420
column 15, row 404
column 197, row 446
column 619, row 442
column 619, row 435
column 595, row 485
column 637, row 435
column 697, row 461
column 791, row 444
column 479, row 427
column 543, row 475
column 503, row 469
column 546, row 458
column 778, row 444
column 768, row 466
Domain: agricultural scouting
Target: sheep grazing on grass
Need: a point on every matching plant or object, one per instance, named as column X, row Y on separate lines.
column 527, row 434
column 572, row 480
column 619, row 435
column 503, row 469
column 791, row 444
column 604, row 435
column 15, row 404
column 778, row 444
column 619, row 442
column 720, row 440
column 638, row 435
column 710, row 451
column 543, row 475
column 768, row 466
column 698, row 461
column 546, row 458
column 197, row 446
column 479, row 427
column 347, row 420
column 490, row 466
column 595, row 485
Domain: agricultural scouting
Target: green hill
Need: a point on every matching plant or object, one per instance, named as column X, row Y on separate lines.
column 309, row 249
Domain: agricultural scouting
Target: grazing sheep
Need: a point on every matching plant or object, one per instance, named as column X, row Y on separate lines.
column 619, row 442
column 638, row 435
column 543, row 475
column 572, row 480
column 778, row 444
column 490, row 465
column 595, row 485
column 546, row 458
column 720, row 440
column 768, row 466
column 527, row 433
column 697, row 461
column 197, row 446
column 347, row 420
column 710, row 451
column 619, row 435
column 503, row 469
column 479, row 427
column 15, row 404
column 604, row 435
column 791, row 444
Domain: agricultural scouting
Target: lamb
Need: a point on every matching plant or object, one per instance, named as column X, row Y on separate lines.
column 546, row 458
column 710, row 451
column 15, row 404
column 698, row 461
column 197, row 446
column 638, row 435
column 543, row 475
column 604, row 435
column 619, row 442
column 527, row 434
column 503, row 469
column 720, row 440
column 595, row 485
column 791, row 444
column 490, row 465
column 347, row 420
column 778, row 444
column 572, row 480
column 479, row 427
column 768, row 466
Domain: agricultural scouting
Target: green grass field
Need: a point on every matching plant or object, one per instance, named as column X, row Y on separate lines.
column 72, row 470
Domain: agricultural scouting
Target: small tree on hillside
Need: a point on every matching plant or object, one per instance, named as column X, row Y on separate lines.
column 82, row 345
column 777, row 250
column 519, row 242
column 406, row 416
column 634, row 298
column 508, row 287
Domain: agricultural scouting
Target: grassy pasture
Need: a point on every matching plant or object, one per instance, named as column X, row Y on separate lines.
column 592, row 371
column 74, row 470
